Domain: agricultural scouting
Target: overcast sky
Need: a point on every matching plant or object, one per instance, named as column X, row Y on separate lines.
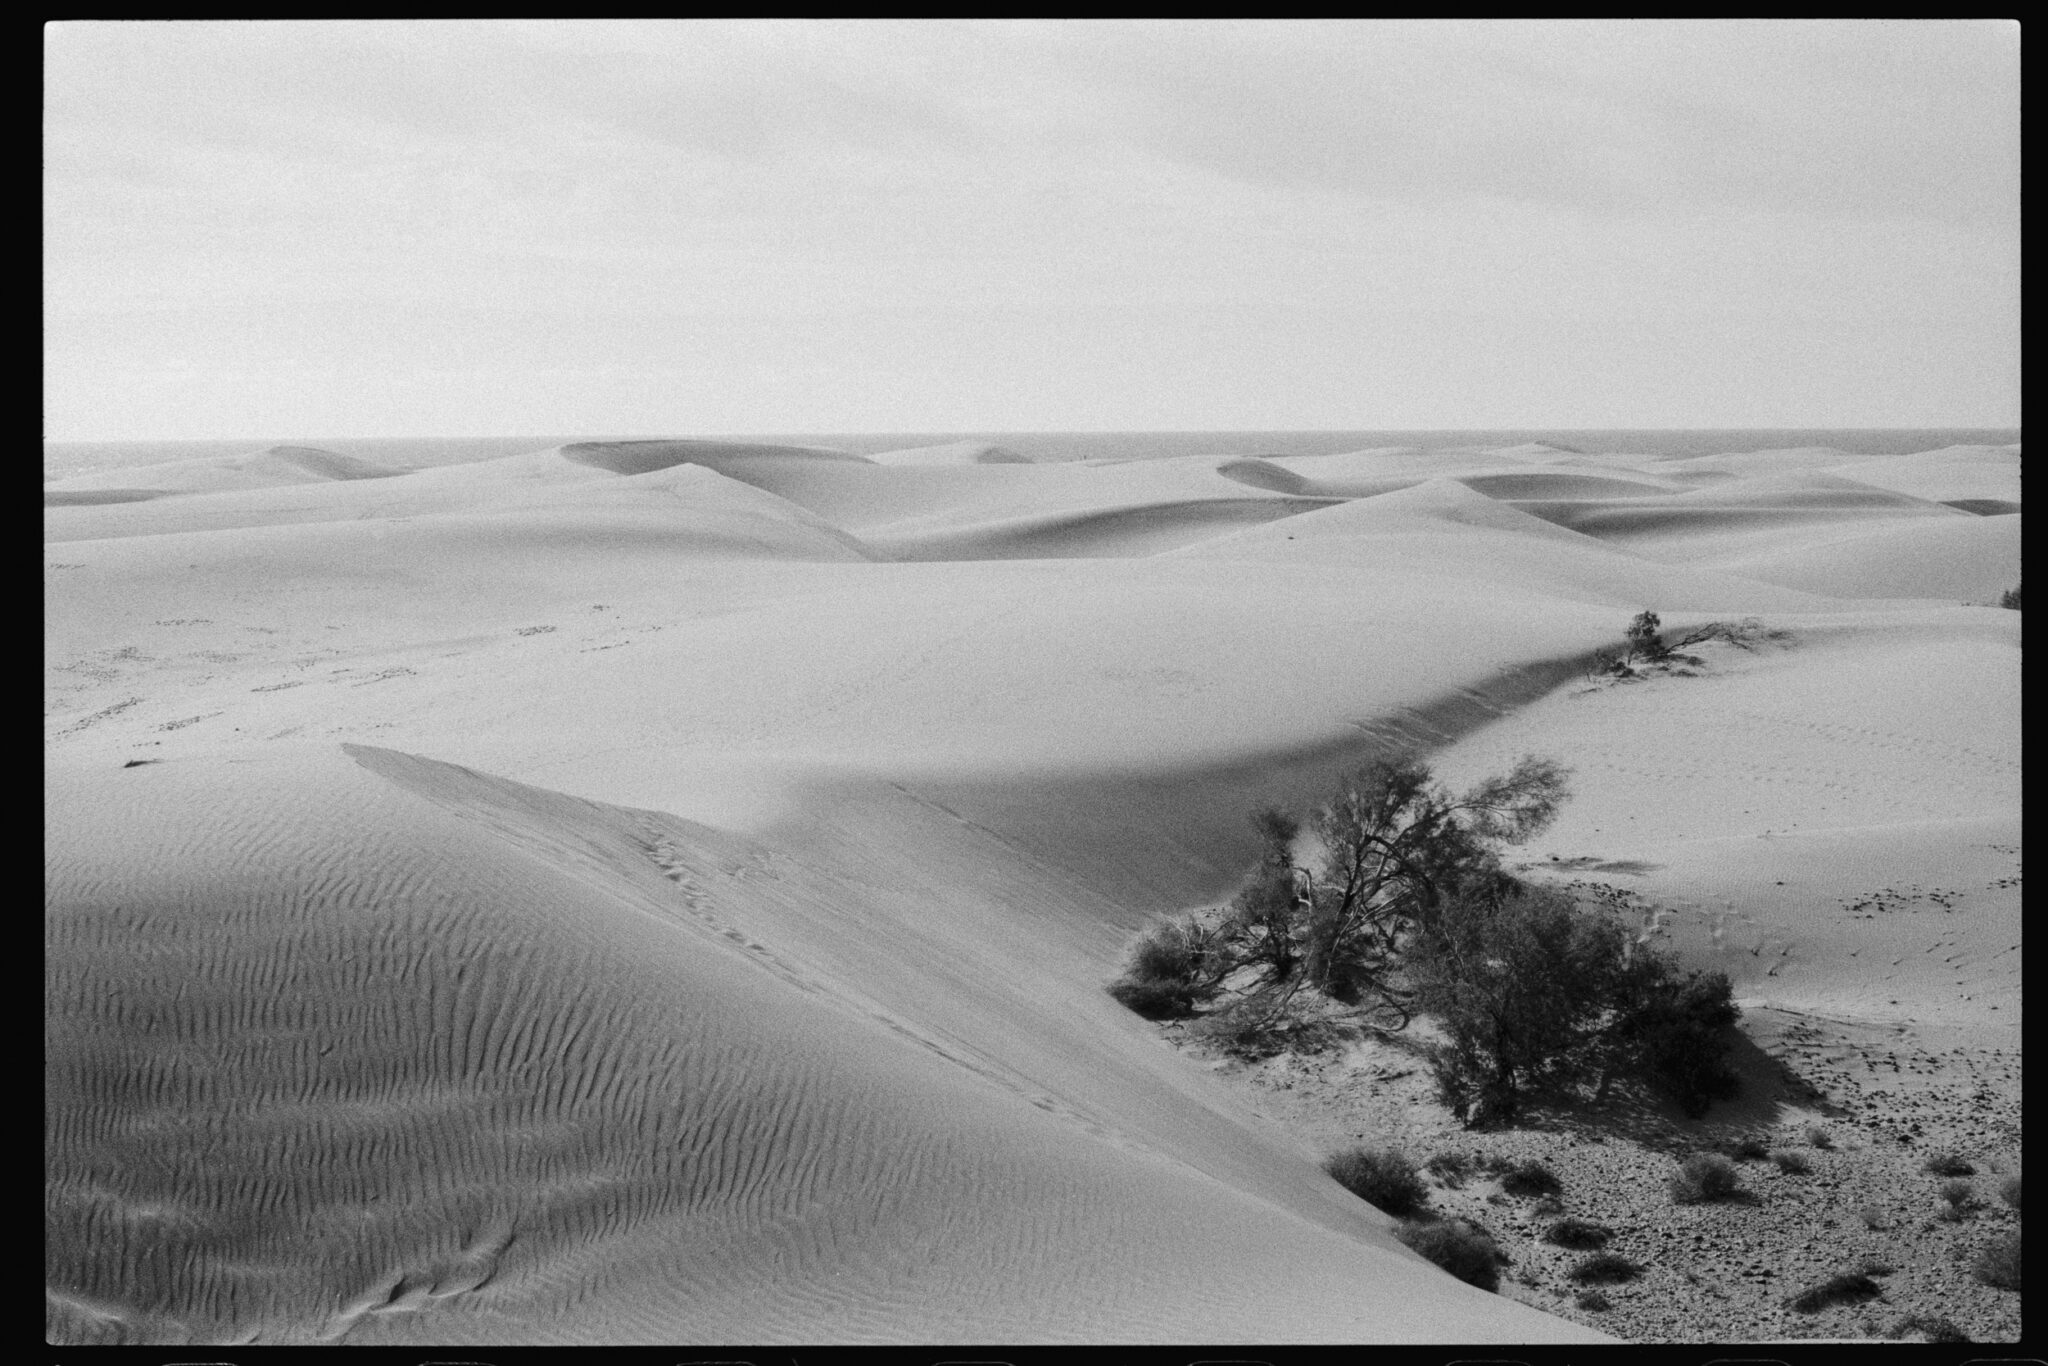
column 500, row 228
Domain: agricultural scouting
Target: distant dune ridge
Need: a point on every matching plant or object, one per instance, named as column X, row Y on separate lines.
column 661, row 891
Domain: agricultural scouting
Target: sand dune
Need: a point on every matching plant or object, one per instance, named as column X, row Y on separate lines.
column 953, row 453
column 660, row 891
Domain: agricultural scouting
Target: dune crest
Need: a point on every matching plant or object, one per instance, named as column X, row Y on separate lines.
column 644, row 457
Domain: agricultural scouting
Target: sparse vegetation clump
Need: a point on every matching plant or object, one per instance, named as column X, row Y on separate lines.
column 1460, row 1247
column 1998, row 1265
column 1593, row 1302
column 1648, row 649
column 1961, row 1197
column 1578, row 1234
column 1530, row 1177
column 1704, row 1177
column 1947, row 1164
column 1851, row 1287
column 1791, row 1163
column 1450, row 1167
column 1933, row 1329
column 1817, row 1137
column 2009, row 1190
column 2010, row 598
column 1382, row 1177
column 1604, row 1268
column 1748, row 1148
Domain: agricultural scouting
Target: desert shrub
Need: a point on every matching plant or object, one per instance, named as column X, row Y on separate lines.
column 1961, row 1195
column 1522, row 983
column 2010, row 598
column 2009, row 1190
column 1873, row 1267
column 1934, row 1329
column 1817, row 1137
column 1848, row 1288
column 1451, row 1167
column 1791, row 1163
column 1998, row 1265
column 1174, row 965
column 1604, row 1268
column 1947, row 1164
column 1593, row 1302
column 1548, row 1205
column 1383, row 1177
column 1460, row 1247
column 1530, row 1178
column 1643, row 635
column 1748, row 1148
column 1703, row 1177
column 1155, row 1000
column 1389, row 845
column 1674, row 1032
column 1872, row 1217
column 1579, row 1234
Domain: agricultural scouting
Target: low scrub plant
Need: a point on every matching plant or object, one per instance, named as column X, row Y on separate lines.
column 1460, row 1247
column 1817, row 1137
column 1851, row 1287
column 1530, row 1178
column 1748, row 1148
column 1580, row 1234
column 1451, row 1167
column 2009, row 1190
column 1947, row 1164
column 1998, row 1265
column 1704, row 1177
column 1933, row 1329
column 1593, row 1302
column 1604, row 1268
column 1961, row 1197
column 1382, row 1177
column 1791, row 1163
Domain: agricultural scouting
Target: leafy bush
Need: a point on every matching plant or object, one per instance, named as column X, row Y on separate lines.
column 1703, row 1177
column 1530, row 1178
column 1460, row 1247
column 1848, row 1288
column 1947, row 1164
column 1998, row 1265
column 1522, row 983
column 1675, row 1033
column 1173, row 966
column 1593, row 1302
column 1604, row 1268
column 1579, row 1234
column 1383, row 1177
column 1961, row 1195
column 1791, row 1163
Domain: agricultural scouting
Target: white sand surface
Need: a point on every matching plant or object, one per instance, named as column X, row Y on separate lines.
column 662, row 891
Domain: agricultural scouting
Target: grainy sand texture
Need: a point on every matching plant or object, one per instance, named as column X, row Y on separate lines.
column 663, row 891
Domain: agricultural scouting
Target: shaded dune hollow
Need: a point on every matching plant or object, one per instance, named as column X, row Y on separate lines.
column 413, row 1054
